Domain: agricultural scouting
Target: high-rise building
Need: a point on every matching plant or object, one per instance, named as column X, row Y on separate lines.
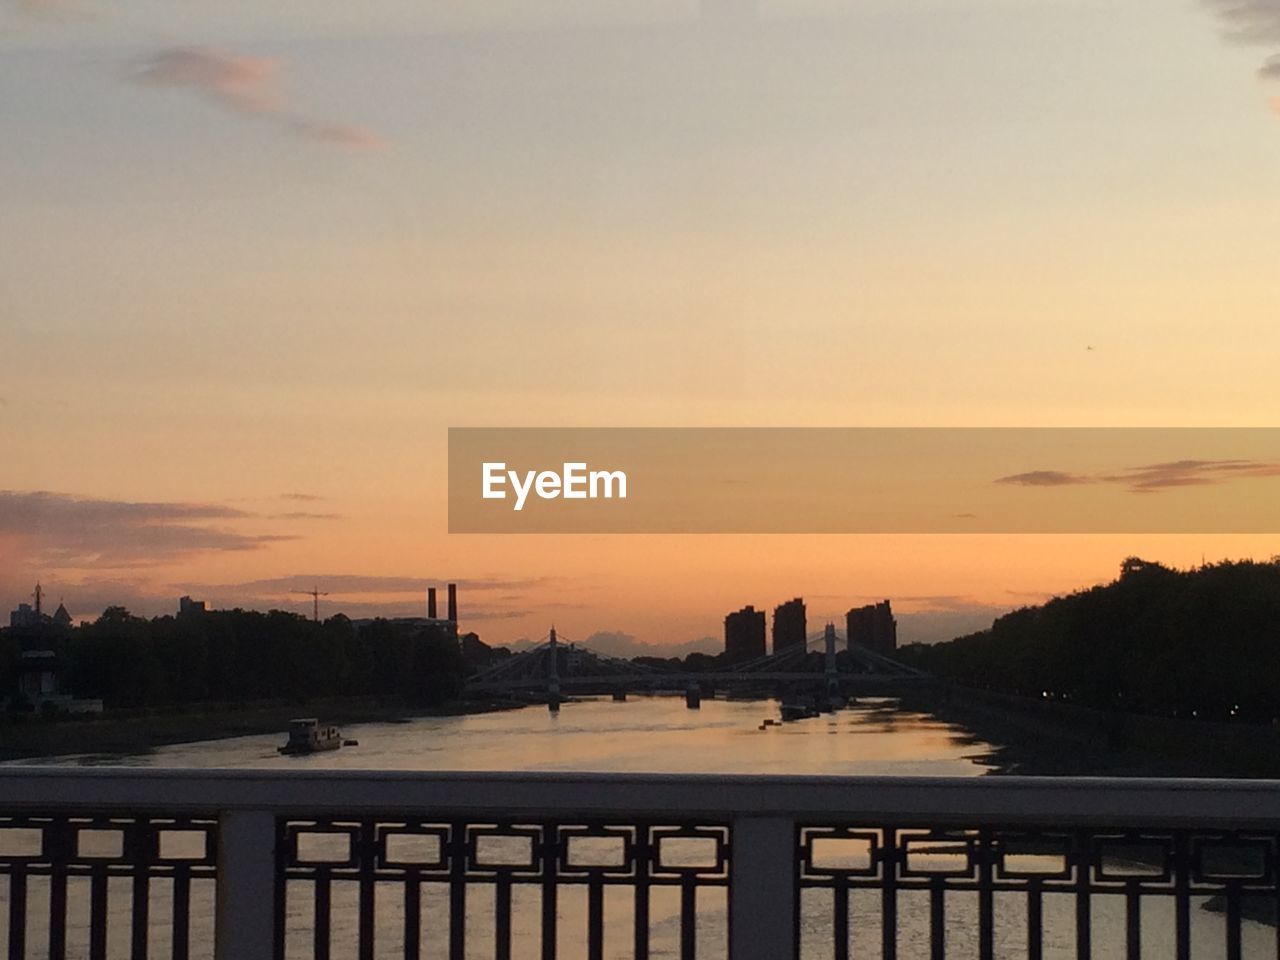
column 872, row 627
column 788, row 625
column 744, row 635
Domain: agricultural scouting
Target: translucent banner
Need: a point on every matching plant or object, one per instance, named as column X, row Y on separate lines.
column 864, row 480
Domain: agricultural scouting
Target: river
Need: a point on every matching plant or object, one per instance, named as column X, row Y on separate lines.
column 661, row 734
column 642, row 735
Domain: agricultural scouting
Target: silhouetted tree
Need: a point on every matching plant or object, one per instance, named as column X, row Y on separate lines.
column 1202, row 642
column 242, row 655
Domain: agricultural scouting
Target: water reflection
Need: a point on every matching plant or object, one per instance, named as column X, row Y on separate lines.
column 641, row 735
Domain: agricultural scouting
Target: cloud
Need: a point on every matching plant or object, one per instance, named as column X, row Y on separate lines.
column 305, row 515
column 340, row 134
column 87, row 597
column 247, row 85
column 617, row 643
column 1253, row 23
column 1154, row 477
column 1044, row 478
column 1191, row 473
column 305, row 497
column 933, row 603
column 61, row 530
column 351, row 584
column 934, row 626
column 1249, row 21
column 363, row 596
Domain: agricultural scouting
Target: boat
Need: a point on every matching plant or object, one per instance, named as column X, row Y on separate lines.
column 307, row 736
column 798, row 710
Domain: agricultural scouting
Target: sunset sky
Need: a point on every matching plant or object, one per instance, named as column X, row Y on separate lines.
column 255, row 259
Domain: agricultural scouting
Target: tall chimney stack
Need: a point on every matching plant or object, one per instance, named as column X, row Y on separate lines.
column 431, row 603
column 453, row 603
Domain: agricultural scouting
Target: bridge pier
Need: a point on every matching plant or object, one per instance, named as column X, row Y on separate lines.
column 553, row 674
column 620, row 695
column 832, row 686
column 693, row 697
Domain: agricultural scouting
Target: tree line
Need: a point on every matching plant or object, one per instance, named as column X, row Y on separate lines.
column 1201, row 643
column 243, row 655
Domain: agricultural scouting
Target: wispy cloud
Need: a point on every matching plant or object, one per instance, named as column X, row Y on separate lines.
column 1249, row 21
column 362, row 595
column 354, row 584
column 61, row 530
column 1044, row 478
column 1253, row 23
column 1191, row 473
column 247, row 85
column 87, row 596
column 618, row 643
column 305, row 515
column 1153, row 477
column 303, row 497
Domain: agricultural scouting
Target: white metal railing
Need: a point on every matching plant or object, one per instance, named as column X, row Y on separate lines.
column 761, row 817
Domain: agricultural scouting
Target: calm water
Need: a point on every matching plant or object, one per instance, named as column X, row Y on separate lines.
column 660, row 734
column 643, row 735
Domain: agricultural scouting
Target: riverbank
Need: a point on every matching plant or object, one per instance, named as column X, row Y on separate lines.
column 1049, row 738
column 125, row 733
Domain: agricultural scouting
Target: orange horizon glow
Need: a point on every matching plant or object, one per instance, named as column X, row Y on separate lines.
column 828, row 213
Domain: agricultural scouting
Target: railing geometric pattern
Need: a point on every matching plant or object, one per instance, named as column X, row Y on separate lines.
column 1026, row 892
column 453, row 881
column 349, row 865
column 107, row 886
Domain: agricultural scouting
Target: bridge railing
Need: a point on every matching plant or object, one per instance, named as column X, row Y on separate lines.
column 240, row 865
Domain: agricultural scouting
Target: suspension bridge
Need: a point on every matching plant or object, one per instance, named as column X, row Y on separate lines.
column 554, row 666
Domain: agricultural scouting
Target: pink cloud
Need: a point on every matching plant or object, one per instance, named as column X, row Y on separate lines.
column 238, row 82
column 245, row 84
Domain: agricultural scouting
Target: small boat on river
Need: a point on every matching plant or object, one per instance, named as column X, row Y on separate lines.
column 800, row 709
column 307, row 736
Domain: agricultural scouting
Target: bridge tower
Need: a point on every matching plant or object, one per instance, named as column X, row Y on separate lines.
column 832, row 678
column 553, row 673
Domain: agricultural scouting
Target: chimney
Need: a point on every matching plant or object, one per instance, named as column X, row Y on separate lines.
column 453, row 603
column 431, row 603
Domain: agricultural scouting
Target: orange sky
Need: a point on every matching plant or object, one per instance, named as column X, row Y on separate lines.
column 245, row 257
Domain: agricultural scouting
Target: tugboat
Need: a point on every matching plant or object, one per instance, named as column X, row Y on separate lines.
column 307, row 736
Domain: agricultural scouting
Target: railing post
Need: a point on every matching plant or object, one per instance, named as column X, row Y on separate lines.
column 245, row 924
column 763, row 896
